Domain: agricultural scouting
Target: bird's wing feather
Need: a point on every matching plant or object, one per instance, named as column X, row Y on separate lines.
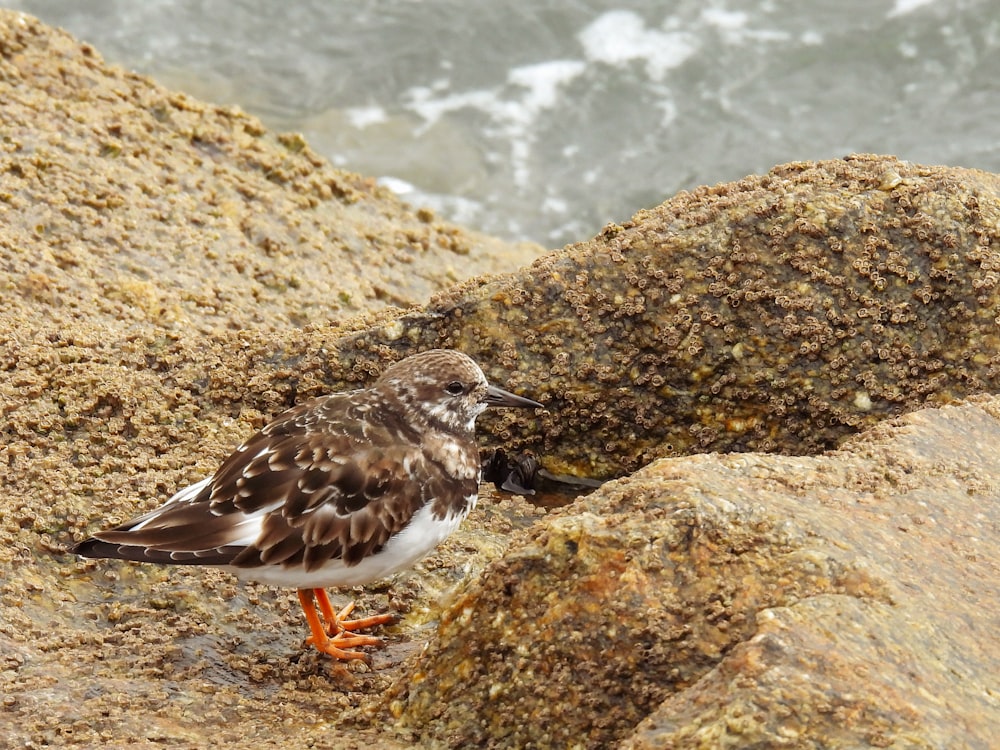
column 292, row 494
column 372, row 496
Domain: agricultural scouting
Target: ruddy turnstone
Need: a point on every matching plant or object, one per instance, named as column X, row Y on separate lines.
column 340, row 490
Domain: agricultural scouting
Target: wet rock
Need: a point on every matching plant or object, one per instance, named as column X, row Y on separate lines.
column 146, row 239
column 846, row 600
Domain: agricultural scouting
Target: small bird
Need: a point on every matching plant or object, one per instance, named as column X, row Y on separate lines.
column 340, row 490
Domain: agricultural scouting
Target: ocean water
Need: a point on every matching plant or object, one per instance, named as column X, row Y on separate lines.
column 547, row 120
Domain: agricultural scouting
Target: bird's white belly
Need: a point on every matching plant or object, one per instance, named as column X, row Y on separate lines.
column 419, row 537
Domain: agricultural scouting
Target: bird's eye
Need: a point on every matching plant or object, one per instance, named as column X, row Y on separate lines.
column 455, row 388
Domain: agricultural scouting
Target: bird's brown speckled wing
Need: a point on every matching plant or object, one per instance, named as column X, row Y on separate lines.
column 313, row 485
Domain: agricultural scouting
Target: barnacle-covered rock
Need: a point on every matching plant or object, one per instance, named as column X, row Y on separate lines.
column 164, row 211
column 172, row 274
column 779, row 313
column 844, row 600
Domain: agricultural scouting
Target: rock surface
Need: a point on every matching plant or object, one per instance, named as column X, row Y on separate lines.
column 780, row 313
column 145, row 239
column 160, row 210
column 171, row 275
column 846, row 600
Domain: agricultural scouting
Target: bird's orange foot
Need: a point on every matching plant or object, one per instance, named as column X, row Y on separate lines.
column 337, row 645
column 338, row 622
column 338, row 634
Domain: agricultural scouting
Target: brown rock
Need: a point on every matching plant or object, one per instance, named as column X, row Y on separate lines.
column 847, row 600
column 146, row 240
column 159, row 256
column 779, row 313
column 163, row 211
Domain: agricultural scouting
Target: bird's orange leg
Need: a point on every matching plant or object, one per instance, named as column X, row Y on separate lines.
column 326, row 609
column 341, row 636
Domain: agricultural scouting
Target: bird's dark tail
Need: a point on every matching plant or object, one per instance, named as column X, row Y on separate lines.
column 99, row 549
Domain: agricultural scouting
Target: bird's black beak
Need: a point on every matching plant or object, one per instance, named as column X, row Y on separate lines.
column 499, row 397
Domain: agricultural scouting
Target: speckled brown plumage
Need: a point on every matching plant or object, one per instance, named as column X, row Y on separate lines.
column 339, row 490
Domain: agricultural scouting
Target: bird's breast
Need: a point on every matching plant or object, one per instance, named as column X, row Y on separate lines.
column 459, row 458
